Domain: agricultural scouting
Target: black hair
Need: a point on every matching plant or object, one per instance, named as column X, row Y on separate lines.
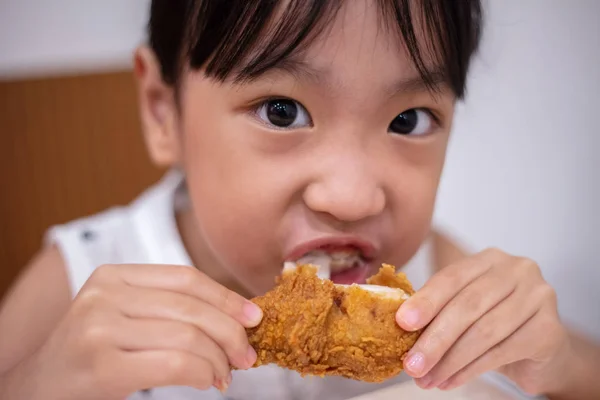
column 241, row 39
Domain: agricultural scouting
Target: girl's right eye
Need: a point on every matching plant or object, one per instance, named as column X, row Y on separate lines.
column 283, row 114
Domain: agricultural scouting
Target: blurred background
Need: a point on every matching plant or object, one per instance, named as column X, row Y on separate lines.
column 523, row 170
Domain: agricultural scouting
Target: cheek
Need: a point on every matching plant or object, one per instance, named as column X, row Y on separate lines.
column 413, row 217
column 234, row 200
column 413, row 195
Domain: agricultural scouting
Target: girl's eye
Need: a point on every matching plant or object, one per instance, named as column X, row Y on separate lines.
column 284, row 114
column 415, row 121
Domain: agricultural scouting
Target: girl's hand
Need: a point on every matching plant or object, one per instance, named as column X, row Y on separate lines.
column 133, row 327
column 491, row 311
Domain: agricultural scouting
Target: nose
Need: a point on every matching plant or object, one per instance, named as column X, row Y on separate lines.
column 345, row 189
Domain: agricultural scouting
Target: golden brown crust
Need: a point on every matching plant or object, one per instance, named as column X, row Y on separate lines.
column 315, row 327
column 387, row 276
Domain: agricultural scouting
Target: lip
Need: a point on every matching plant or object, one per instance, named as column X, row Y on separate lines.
column 368, row 249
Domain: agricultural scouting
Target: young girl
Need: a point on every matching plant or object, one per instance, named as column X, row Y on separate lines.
column 290, row 126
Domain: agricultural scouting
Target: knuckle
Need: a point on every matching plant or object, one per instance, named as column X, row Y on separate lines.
column 472, row 301
column 240, row 336
column 227, row 299
column 188, row 337
column 239, row 340
column 494, row 253
column 95, row 334
column 188, row 308
column 452, row 276
column 496, row 352
column 547, row 293
column 433, row 342
column 206, row 379
column 428, row 305
column 176, row 364
column 529, row 266
column 483, row 332
column 458, row 380
column 90, row 300
column 103, row 273
column 189, row 278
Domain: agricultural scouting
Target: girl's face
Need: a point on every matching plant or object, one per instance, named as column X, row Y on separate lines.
column 340, row 150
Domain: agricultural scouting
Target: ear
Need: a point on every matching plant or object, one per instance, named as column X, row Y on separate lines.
column 158, row 110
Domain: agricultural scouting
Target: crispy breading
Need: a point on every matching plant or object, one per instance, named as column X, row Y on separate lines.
column 387, row 276
column 316, row 327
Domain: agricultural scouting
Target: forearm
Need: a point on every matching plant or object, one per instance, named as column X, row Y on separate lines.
column 18, row 382
column 581, row 381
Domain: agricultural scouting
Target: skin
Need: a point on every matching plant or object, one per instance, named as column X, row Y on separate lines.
column 260, row 192
column 494, row 311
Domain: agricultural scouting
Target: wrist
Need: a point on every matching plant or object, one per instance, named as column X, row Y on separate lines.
column 576, row 370
column 565, row 370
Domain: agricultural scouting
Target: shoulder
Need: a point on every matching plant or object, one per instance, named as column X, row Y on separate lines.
column 33, row 306
column 135, row 233
column 89, row 242
column 44, row 277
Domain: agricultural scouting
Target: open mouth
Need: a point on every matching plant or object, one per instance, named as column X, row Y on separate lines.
column 343, row 265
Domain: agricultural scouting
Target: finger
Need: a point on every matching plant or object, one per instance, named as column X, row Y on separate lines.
column 155, row 334
column 525, row 342
column 137, row 370
column 185, row 280
column 475, row 300
column 418, row 311
column 508, row 351
column 491, row 329
column 229, row 334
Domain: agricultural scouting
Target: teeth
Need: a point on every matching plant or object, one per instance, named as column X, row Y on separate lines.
column 327, row 262
column 335, row 261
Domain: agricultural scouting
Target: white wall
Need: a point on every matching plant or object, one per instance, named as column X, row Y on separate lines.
column 58, row 36
column 523, row 171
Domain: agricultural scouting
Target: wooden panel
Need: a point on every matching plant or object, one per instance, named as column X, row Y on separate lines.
column 69, row 147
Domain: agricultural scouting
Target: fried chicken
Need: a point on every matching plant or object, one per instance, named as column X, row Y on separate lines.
column 319, row 328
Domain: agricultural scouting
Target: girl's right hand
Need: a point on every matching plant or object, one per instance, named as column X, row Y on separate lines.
column 133, row 327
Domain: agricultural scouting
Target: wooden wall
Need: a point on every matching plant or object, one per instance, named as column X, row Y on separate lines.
column 69, row 147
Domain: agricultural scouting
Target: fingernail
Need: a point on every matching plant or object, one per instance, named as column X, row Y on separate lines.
column 250, row 356
column 252, row 312
column 224, row 384
column 415, row 364
column 408, row 317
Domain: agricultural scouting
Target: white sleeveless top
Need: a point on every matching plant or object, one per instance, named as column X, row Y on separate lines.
column 145, row 232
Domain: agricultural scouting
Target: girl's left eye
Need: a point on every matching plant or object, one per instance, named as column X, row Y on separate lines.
column 415, row 121
column 284, row 114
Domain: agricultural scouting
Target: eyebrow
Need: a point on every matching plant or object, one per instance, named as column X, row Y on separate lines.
column 304, row 71
column 437, row 79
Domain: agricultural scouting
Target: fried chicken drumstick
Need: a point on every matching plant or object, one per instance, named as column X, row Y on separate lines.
column 319, row 328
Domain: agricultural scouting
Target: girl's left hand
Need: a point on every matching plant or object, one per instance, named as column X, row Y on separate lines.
column 491, row 311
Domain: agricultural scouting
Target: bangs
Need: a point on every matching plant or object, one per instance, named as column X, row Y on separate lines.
column 241, row 39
